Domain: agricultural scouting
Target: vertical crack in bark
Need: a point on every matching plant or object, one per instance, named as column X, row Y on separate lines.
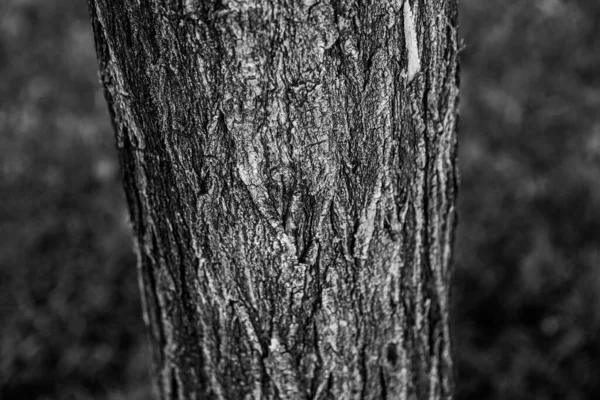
column 290, row 172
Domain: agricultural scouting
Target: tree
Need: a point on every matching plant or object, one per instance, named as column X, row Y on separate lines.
column 290, row 173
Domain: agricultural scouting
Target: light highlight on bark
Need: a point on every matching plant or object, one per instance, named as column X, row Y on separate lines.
column 410, row 38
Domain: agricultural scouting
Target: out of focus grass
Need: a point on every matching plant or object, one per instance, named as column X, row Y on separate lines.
column 527, row 282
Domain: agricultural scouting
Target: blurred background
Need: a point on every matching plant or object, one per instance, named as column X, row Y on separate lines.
column 527, row 262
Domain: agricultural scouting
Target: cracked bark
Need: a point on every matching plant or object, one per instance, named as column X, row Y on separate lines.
column 290, row 173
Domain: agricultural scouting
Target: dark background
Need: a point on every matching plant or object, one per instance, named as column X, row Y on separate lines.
column 527, row 280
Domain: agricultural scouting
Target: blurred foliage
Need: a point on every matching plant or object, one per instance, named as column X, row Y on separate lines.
column 526, row 290
column 527, row 281
column 70, row 319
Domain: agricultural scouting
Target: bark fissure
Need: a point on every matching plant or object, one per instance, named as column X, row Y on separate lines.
column 290, row 172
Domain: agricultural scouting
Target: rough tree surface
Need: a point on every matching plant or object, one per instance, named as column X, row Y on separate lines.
column 290, row 172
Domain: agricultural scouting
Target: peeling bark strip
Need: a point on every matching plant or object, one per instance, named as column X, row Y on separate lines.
column 290, row 172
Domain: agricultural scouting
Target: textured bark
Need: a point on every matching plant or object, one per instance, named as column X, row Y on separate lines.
column 290, row 171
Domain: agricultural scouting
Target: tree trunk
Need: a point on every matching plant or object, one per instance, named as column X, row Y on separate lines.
column 290, row 171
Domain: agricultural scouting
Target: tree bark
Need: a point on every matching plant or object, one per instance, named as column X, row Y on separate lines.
column 290, row 172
